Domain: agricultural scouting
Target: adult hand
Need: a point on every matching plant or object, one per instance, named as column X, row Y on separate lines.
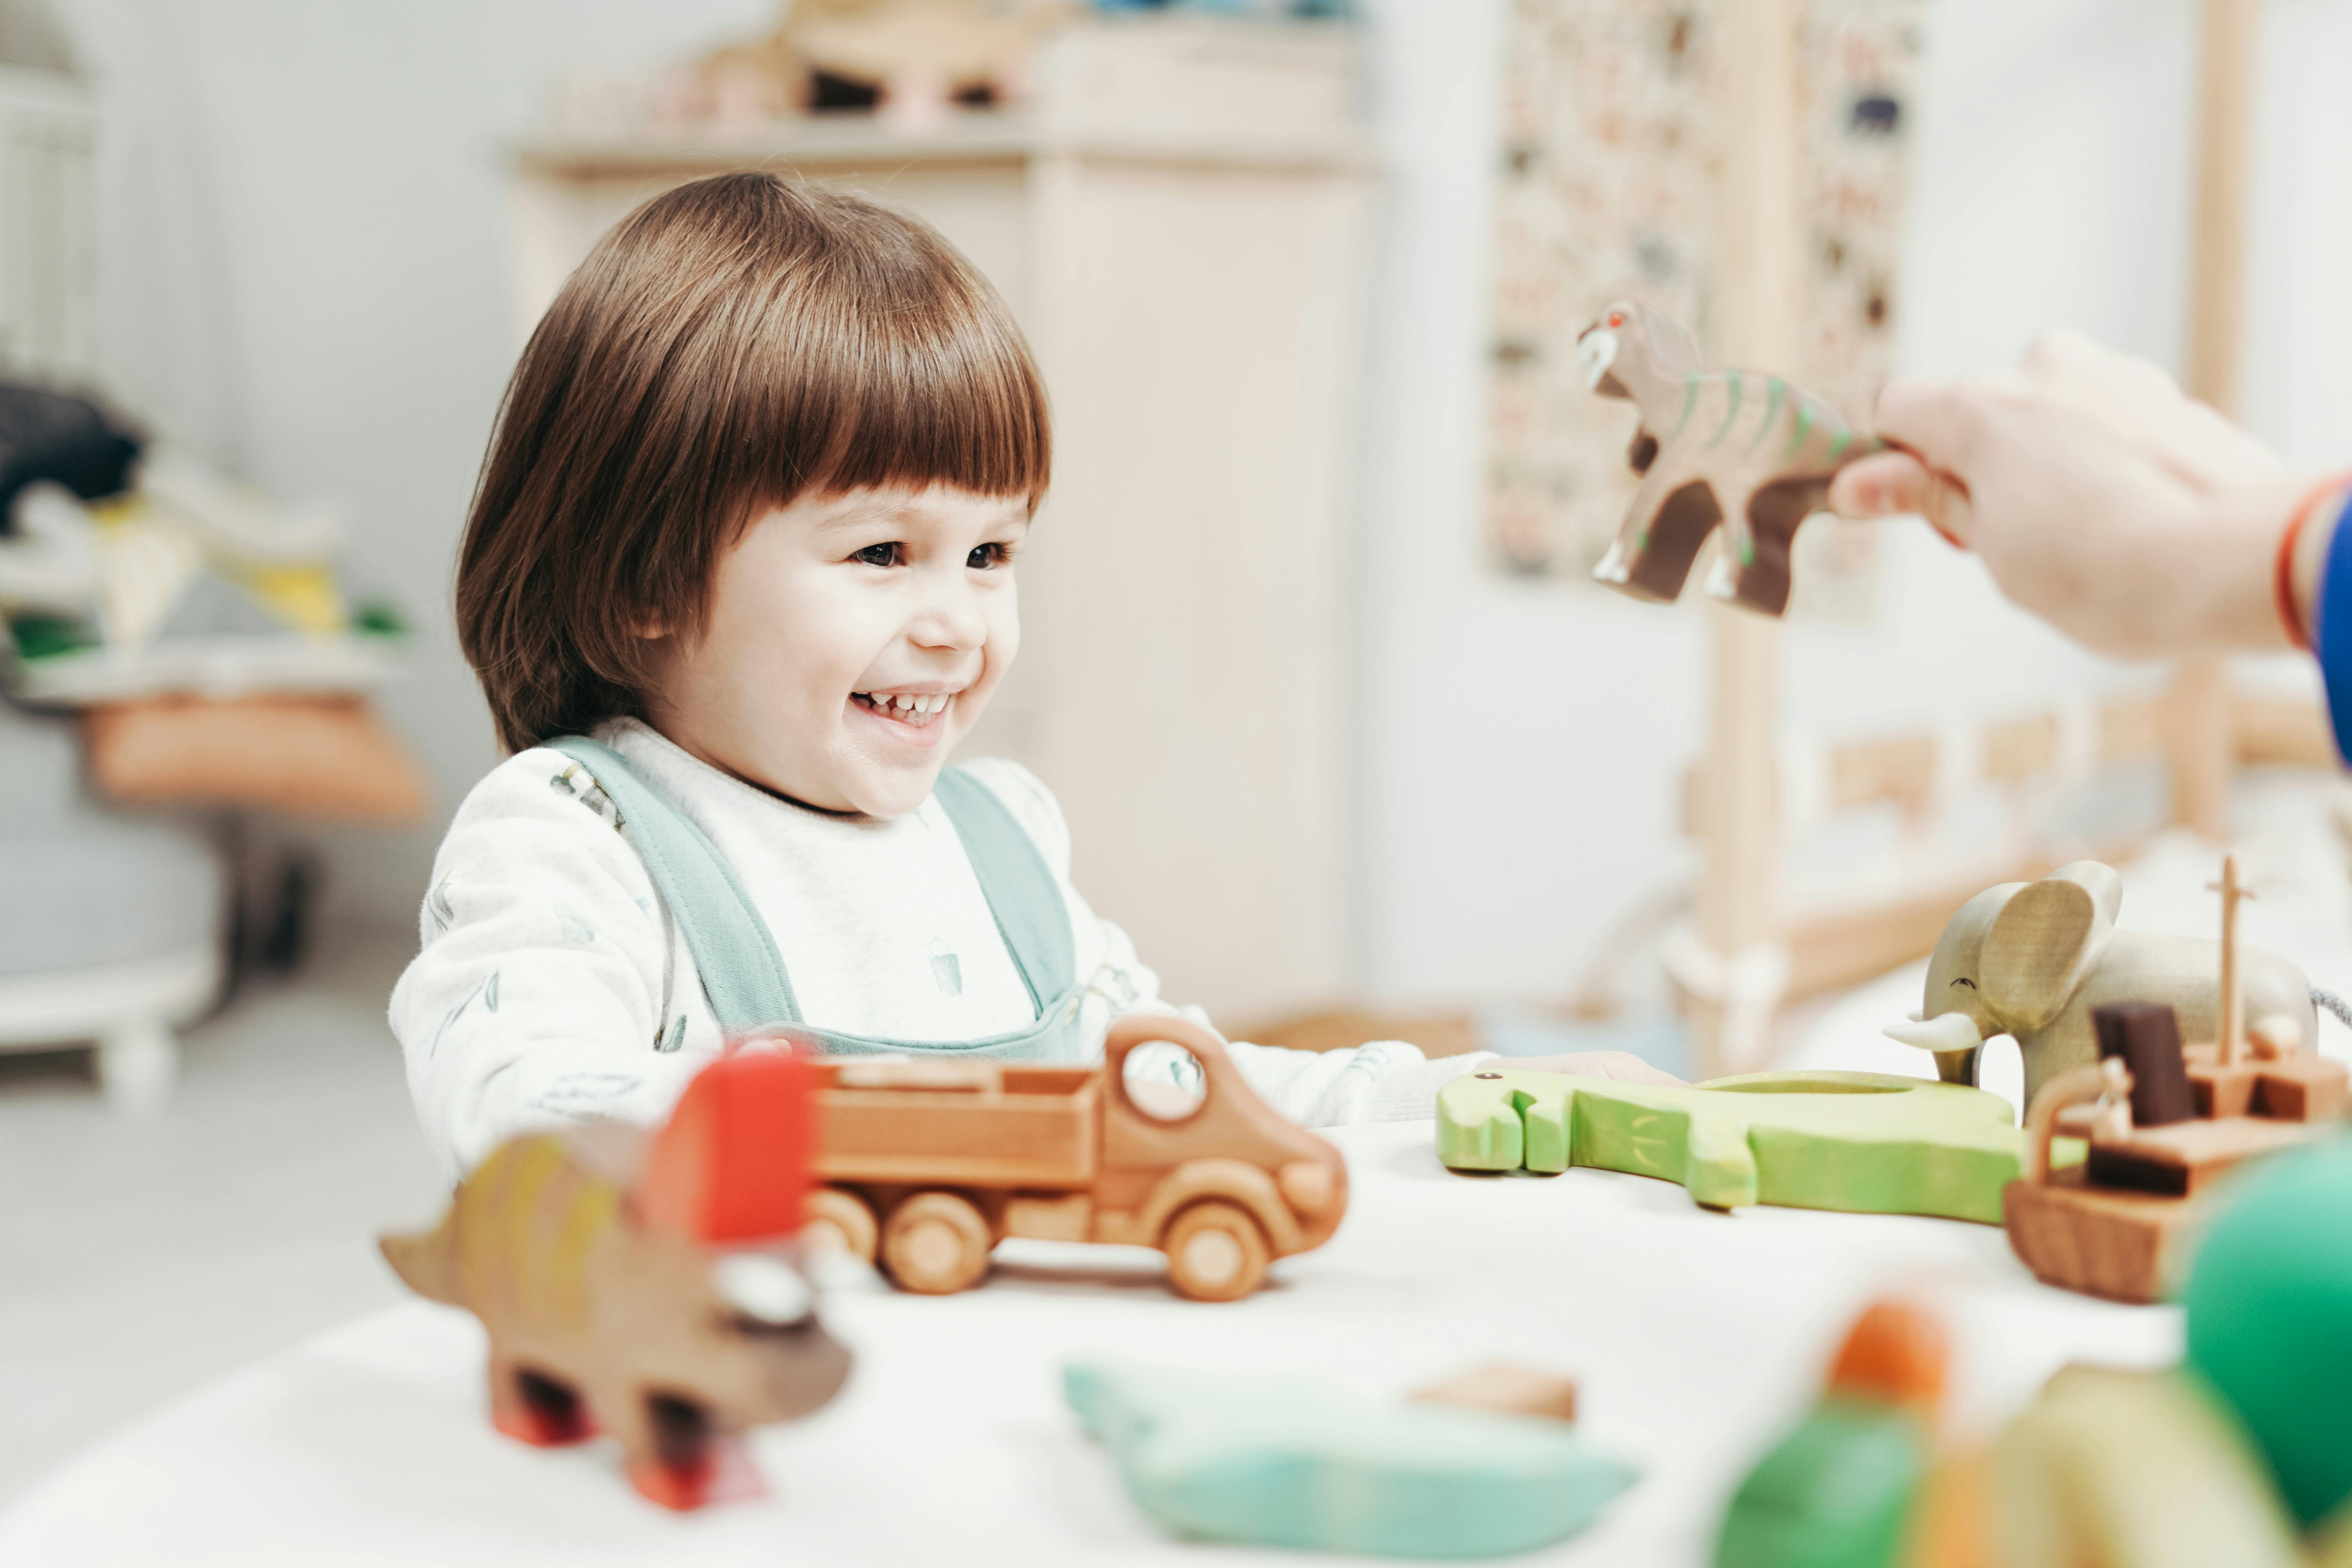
column 2129, row 516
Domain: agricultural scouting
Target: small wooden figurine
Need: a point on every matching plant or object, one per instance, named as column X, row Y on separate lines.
column 928, row 1164
column 1863, row 1143
column 1841, row 1489
column 1290, row 1462
column 647, row 1285
column 2167, row 1124
column 1732, row 447
column 2033, row 959
column 1507, row 1389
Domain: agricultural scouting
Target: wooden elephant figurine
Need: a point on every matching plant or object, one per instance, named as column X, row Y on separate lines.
column 1732, row 447
column 2031, row 959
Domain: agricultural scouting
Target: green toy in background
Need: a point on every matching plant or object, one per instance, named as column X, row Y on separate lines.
column 2270, row 1325
column 1862, row 1142
column 1838, row 1491
column 1294, row 1463
column 2241, row 1457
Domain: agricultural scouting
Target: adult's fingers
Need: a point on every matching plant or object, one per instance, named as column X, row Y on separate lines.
column 1895, row 483
column 2140, row 404
column 1941, row 421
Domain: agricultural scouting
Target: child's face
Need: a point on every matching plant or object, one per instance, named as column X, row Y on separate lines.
column 853, row 640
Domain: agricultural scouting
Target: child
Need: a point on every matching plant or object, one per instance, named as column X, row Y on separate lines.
column 750, row 520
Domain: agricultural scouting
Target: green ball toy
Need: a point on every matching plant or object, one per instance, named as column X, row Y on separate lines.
column 2270, row 1320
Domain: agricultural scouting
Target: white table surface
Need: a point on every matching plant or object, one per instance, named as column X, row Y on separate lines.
column 1696, row 1337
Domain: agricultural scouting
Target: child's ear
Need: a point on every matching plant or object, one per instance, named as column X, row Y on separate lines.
column 651, row 629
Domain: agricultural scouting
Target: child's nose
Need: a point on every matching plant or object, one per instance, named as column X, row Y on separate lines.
column 951, row 617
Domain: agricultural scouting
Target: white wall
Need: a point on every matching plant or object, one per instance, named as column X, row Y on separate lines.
column 310, row 281
column 1522, row 744
column 306, row 274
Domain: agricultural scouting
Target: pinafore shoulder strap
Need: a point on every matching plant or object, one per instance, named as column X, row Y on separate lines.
column 743, row 973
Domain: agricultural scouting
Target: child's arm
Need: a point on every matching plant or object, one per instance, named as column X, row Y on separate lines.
column 539, row 997
column 1384, row 1081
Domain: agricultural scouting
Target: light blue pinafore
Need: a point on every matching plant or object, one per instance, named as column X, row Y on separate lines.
column 744, row 975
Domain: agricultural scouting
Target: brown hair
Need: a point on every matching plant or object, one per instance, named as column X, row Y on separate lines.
column 731, row 346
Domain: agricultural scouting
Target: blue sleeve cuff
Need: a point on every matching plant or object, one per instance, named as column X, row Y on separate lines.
column 2332, row 635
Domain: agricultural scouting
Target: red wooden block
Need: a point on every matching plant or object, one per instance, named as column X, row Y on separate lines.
column 732, row 1164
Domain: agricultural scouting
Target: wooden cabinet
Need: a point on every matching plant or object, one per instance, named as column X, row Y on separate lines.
column 1176, row 216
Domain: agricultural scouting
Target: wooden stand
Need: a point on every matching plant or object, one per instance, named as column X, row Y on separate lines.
column 2199, row 727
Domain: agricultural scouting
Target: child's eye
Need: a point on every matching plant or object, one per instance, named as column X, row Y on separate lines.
column 878, row 555
column 984, row 556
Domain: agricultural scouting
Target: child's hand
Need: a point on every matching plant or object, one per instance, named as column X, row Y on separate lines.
column 1622, row 1065
column 2129, row 516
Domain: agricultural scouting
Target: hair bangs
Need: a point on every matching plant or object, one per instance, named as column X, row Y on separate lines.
column 913, row 375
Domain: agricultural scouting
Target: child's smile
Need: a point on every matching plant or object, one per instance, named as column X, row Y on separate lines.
column 851, row 641
column 914, row 717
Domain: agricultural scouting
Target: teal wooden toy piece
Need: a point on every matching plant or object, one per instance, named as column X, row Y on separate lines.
column 1863, row 1143
column 1294, row 1463
column 1836, row 1492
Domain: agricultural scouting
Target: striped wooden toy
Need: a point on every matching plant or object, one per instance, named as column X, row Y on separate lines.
column 647, row 1285
column 1751, row 453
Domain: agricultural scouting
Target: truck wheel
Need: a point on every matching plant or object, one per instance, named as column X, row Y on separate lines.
column 935, row 1244
column 835, row 1218
column 1216, row 1252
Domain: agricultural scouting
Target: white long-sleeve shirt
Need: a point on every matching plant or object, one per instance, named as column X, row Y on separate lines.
column 553, row 986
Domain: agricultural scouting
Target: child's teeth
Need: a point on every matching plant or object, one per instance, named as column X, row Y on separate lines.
column 919, row 705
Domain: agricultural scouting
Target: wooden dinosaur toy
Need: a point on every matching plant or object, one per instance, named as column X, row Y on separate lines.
column 1746, row 451
column 647, row 1284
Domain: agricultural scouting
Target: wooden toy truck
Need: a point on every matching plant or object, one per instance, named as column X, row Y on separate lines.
column 929, row 1164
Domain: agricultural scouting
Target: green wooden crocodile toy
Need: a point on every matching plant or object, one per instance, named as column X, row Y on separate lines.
column 1863, row 1143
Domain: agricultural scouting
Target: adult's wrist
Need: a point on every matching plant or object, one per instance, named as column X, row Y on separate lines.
column 2305, row 559
column 2238, row 568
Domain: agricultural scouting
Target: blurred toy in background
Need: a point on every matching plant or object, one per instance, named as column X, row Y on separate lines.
column 2165, row 1123
column 1841, row 1487
column 2243, row 1455
column 915, row 63
column 1290, row 1462
column 1736, row 449
column 2032, row 960
column 929, row 1164
column 647, row 1285
column 1862, row 1142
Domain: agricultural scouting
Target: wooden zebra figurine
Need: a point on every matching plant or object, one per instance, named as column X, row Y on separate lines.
column 1727, row 447
column 647, row 1284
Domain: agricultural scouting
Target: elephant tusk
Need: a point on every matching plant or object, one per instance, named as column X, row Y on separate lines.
column 1944, row 1032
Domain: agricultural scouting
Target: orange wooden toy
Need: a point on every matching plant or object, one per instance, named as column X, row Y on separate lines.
column 929, row 1163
